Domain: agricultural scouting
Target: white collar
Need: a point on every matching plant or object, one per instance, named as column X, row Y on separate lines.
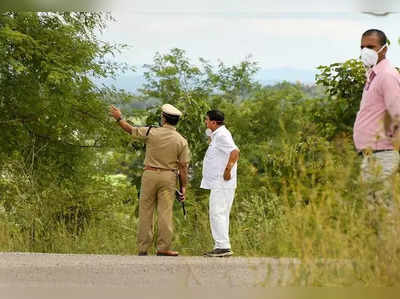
column 216, row 130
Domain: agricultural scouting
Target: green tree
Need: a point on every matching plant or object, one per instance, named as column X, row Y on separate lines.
column 173, row 79
column 233, row 83
column 344, row 84
column 195, row 89
column 47, row 64
column 53, row 118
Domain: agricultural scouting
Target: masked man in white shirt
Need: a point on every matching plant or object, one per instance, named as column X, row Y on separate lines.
column 219, row 176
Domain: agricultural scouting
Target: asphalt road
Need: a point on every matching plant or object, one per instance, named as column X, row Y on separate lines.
column 73, row 270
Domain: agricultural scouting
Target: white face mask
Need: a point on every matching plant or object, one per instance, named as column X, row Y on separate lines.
column 369, row 57
column 209, row 132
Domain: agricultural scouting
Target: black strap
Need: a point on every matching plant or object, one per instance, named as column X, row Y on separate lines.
column 148, row 130
column 147, row 134
column 361, row 153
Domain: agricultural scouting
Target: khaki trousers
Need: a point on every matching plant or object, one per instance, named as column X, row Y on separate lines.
column 379, row 168
column 157, row 191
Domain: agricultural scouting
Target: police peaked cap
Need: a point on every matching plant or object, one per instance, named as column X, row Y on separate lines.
column 170, row 110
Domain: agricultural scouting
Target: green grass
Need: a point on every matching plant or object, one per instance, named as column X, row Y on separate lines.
column 318, row 215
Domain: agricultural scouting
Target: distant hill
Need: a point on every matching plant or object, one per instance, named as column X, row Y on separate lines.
column 128, row 81
column 276, row 75
column 132, row 81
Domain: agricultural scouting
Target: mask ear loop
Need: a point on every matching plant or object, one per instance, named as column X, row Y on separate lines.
column 383, row 47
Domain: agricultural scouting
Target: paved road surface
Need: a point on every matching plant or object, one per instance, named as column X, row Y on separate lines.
column 71, row 270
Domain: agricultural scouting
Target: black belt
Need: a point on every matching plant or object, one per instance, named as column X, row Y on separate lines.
column 374, row 151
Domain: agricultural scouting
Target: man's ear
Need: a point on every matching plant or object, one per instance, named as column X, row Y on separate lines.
column 384, row 51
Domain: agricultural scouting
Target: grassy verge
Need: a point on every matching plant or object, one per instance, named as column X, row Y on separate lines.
column 318, row 215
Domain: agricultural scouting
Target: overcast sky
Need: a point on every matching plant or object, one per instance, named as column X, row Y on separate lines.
column 285, row 35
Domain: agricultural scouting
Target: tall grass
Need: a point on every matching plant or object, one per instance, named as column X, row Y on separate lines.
column 317, row 213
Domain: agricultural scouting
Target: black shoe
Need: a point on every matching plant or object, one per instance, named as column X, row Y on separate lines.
column 142, row 254
column 219, row 252
column 167, row 253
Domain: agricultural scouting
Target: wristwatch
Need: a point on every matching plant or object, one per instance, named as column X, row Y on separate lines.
column 118, row 119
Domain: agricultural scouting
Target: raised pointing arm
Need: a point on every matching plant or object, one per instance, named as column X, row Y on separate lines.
column 116, row 113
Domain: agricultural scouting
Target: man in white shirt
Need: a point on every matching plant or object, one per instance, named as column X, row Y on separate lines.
column 219, row 176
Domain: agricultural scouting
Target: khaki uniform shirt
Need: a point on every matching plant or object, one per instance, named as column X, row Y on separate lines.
column 165, row 147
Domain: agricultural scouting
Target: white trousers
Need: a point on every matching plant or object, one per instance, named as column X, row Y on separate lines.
column 220, row 207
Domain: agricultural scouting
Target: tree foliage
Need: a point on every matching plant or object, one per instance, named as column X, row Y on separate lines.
column 60, row 152
column 344, row 84
column 52, row 116
column 173, row 79
column 46, row 92
column 194, row 89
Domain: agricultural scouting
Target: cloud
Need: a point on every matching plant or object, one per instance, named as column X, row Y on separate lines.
column 238, row 5
column 206, row 25
column 258, row 5
column 230, row 6
column 306, row 28
column 297, row 40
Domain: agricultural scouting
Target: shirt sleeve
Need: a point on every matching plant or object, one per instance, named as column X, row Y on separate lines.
column 391, row 95
column 139, row 133
column 225, row 143
column 184, row 156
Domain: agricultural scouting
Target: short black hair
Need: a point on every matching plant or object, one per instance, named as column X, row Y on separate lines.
column 216, row 115
column 171, row 119
column 379, row 33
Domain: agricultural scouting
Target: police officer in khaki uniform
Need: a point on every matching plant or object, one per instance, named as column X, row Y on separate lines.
column 167, row 153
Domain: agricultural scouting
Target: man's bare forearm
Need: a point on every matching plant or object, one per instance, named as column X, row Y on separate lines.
column 183, row 174
column 116, row 113
column 396, row 137
column 233, row 158
column 391, row 121
column 125, row 126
